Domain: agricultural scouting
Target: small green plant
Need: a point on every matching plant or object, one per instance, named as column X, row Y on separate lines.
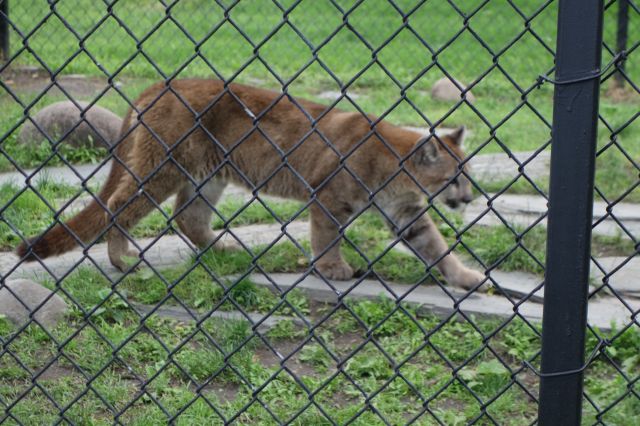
column 113, row 308
column 33, row 155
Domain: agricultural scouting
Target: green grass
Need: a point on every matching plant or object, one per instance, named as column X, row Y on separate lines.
column 42, row 153
column 405, row 57
column 175, row 358
column 30, row 210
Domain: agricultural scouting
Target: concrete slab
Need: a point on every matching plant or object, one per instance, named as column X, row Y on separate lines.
column 172, row 250
column 501, row 167
column 164, row 252
column 603, row 312
column 524, row 210
column 623, row 274
column 257, row 320
column 485, row 167
column 64, row 175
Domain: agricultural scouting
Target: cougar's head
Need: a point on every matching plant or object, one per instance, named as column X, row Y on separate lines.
column 436, row 166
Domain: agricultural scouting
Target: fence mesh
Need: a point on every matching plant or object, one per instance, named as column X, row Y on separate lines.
column 251, row 328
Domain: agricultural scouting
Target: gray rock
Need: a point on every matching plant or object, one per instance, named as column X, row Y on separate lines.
column 19, row 299
column 58, row 118
column 332, row 95
column 445, row 90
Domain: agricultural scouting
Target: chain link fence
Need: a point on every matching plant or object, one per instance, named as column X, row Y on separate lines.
column 255, row 239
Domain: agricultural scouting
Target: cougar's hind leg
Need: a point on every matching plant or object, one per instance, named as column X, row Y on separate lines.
column 326, row 245
column 194, row 217
column 129, row 204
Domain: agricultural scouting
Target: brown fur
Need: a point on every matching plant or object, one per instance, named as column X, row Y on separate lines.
column 82, row 228
column 263, row 141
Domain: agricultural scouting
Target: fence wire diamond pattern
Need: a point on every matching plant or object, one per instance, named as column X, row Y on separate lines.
column 233, row 312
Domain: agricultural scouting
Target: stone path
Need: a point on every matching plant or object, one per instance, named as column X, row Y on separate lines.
column 622, row 274
column 516, row 209
column 172, row 250
column 525, row 210
column 255, row 319
column 485, row 167
column 500, row 167
column 603, row 312
column 159, row 253
column 520, row 210
column 64, row 175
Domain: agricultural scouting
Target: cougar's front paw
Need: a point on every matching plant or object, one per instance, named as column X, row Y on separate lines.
column 124, row 262
column 468, row 278
column 340, row 270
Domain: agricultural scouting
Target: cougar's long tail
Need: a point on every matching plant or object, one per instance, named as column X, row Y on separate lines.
column 87, row 224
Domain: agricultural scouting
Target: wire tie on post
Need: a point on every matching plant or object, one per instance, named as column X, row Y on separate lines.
column 588, row 75
column 602, row 343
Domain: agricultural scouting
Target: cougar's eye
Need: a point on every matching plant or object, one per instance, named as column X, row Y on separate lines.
column 455, row 181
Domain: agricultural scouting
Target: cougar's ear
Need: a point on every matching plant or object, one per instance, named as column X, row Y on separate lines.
column 427, row 151
column 458, row 135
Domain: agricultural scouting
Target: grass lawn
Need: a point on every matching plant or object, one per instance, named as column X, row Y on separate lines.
column 388, row 78
column 358, row 361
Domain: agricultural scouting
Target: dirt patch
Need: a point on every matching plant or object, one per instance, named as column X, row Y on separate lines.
column 224, row 392
column 32, row 80
column 345, row 343
column 449, row 404
column 266, row 356
column 530, row 382
column 624, row 94
column 56, row 371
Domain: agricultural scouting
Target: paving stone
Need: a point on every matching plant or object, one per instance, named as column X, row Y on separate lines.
column 257, row 320
column 625, row 274
column 515, row 283
column 57, row 119
column 525, row 210
column 485, row 168
column 445, row 90
column 500, row 167
column 603, row 312
column 94, row 172
column 167, row 251
column 21, row 298
column 170, row 251
column 520, row 284
column 440, row 131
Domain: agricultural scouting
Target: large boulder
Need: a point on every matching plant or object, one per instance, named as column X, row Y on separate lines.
column 445, row 90
column 20, row 298
column 58, row 118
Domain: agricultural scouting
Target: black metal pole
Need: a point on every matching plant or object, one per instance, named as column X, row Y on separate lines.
column 622, row 36
column 575, row 115
column 4, row 30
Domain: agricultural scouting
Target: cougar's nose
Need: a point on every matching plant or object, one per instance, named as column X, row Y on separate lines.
column 452, row 203
column 467, row 199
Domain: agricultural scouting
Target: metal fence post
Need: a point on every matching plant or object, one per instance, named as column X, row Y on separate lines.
column 621, row 36
column 4, row 30
column 573, row 152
